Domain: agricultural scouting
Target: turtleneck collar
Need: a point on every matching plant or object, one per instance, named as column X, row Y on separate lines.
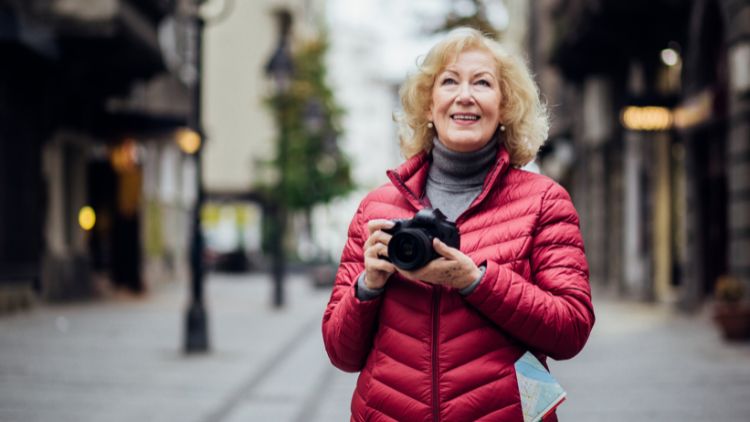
column 462, row 165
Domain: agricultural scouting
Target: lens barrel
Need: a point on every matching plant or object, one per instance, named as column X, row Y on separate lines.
column 410, row 249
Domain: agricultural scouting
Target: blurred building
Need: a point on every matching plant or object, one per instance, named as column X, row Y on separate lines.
column 237, row 46
column 652, row 136
column 239, row 125
column 93, row 187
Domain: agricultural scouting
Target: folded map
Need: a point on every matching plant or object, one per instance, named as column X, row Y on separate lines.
column 540, row 392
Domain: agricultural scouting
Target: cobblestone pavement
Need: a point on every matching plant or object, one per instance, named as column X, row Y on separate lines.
column 120, row 359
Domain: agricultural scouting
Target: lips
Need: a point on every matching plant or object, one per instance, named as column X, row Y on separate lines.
column 465, row 117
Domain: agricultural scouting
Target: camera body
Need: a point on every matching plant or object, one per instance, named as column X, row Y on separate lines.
column 410, row 246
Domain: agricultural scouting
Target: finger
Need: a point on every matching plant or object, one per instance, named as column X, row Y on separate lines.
column 384, row 266
column 380, row 236
column 434, row 269
column 374, row 238
column 381, row 250
column 431, row 267
column 374, row 264
column 438, row 271
column 377, row 237
column 444, row 250
column 378, row 224
column 377, row 251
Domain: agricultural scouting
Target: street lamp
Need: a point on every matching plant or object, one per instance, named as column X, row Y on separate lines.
column 196, row 324
column 313, row 121
column 280, row 69
column 185, row 59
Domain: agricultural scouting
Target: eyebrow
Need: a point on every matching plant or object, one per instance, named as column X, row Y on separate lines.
column 485, row 73
column 480, row 73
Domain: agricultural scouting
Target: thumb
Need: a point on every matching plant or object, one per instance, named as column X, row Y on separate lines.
column 443, row 249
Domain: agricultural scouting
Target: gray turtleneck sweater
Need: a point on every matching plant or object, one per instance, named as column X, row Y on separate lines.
column 454, row 180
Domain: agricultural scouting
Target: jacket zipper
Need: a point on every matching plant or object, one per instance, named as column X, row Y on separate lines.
column 435, row 336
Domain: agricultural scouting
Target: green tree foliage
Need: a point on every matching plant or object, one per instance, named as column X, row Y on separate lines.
column 310, row 167
column 477, row 20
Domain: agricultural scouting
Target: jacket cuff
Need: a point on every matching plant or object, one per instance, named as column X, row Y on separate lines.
column 470, row 288
column 494, row 288
column 365, row 293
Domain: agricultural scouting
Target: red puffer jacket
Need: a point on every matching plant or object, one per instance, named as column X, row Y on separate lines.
column 428, row 353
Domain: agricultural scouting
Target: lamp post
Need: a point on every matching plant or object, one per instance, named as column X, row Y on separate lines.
column 314, row 117
column 191, row 141
column 313, row 121
column 196, row 324
column 280, row 69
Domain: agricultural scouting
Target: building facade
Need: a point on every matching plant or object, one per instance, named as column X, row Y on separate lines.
column 651, row 136
column 90, row 96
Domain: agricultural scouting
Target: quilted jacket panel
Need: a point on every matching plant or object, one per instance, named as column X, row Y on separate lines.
column 428, row 353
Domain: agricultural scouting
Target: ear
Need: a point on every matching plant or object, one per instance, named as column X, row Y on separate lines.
column 502, row 116
column 428, row 114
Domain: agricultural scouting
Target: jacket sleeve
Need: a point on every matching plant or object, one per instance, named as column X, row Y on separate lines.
column 349, row 323
column 552, row 313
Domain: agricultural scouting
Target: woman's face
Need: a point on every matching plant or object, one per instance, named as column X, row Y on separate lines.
column 465, row 105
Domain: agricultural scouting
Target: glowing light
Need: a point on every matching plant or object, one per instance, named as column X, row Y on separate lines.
column 647, row 118
column 188, row 140
column 670, row 57
column 124, row 156
column 87, row 218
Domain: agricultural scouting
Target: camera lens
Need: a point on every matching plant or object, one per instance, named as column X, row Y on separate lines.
column 410, row 249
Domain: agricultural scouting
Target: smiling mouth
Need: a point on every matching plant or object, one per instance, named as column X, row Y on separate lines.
column 465, row 117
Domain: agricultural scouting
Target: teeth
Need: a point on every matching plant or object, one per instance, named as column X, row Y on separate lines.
column 465, row 117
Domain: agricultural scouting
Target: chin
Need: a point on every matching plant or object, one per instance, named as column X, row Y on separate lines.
column 465, row 145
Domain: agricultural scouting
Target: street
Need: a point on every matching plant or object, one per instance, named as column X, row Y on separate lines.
column 120, row 359
column 647, row 363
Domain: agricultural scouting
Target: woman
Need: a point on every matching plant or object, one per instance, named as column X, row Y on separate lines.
column 440, row 342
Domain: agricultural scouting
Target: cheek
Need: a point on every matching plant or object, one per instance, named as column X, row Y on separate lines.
column 495, row 111
column 438, row 105
column 434, row 101
column 441, row 101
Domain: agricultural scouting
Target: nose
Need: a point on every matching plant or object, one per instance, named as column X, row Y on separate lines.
column 465, row 95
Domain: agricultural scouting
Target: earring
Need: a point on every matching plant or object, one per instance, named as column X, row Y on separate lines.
column 430, row 125
column 502, row 128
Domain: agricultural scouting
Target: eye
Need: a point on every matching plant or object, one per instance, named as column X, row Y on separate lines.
column 448, row 81
column 483, row 82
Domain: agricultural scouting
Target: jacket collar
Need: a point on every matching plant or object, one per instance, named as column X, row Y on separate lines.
column 411, row 176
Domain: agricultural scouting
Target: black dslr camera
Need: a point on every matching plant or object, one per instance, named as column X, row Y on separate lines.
column 411, row 245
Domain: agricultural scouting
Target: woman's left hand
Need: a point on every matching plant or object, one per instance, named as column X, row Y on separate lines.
column 453, row 268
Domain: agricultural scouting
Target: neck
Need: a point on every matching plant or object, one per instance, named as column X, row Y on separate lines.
column 463, row 165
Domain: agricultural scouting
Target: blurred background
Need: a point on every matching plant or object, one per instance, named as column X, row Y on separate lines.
column 177, row 177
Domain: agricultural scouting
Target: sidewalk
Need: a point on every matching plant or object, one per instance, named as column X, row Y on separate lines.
column 121, row 360
column 648, row 363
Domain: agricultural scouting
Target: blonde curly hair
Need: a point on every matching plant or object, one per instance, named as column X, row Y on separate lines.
column 523, row 113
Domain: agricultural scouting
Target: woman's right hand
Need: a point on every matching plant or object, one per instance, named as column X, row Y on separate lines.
column 377, row 269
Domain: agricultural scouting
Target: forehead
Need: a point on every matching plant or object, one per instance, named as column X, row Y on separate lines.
column 473, row 60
